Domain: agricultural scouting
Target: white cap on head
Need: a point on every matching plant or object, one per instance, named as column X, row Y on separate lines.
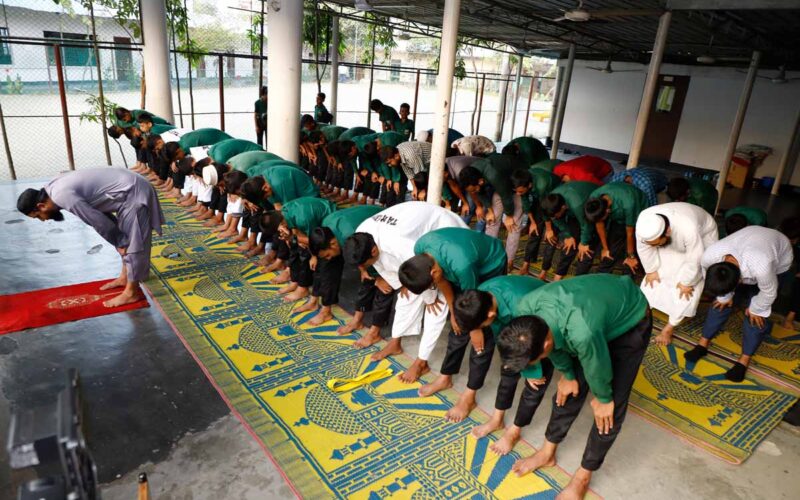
column 650, row 226
column 210, row 175
column 423, row 136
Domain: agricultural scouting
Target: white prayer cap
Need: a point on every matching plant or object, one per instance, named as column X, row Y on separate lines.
column 650, row 226
column 423, row 136
column 210, row 175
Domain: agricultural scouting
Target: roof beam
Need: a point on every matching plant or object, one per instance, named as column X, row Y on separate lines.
column 732, row 4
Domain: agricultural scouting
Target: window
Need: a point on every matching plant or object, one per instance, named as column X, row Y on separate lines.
column 5, row 50
column 71, row 56
column 395, row 74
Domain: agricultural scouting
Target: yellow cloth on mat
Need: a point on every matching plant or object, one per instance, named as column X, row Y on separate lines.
column 348, row 384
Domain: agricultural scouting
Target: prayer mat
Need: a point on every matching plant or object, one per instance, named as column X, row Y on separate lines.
column 377, row 441
column 58, row 305
column 696, row 402
column 777, row 358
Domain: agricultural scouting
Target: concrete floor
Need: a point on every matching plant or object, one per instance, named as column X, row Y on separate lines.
column 151, row 408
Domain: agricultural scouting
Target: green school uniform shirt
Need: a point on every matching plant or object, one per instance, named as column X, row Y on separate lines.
column 543, row 183
column 306, row 213
column 496, row 170
column 388, row 115
column 332, row 132
column 405, row 127
column 244, row 161
column 321, row 113
column 260, row 108
column 754, row 216
column 160, row 128
column 348, row 134
column 531, row 150
column 575, row 194
column 627, row 202
column 585, row 313
column 508, row 291
column 260, row 168
column 224, row 150
column 202, row 137
column 548, row 165
column 466, row 257
column 157, row 120
column 703, row 194
column 391, row 138
column 343, row 223
column 289, row 183
column 361, row 141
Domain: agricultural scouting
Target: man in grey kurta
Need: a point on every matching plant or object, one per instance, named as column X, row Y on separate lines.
column 120, row 205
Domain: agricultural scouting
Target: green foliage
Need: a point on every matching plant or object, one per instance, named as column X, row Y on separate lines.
column 13, row 86
column 384, row 38
column 460, row 70
column 94, row 113
column 321, row 25
column 253, row 34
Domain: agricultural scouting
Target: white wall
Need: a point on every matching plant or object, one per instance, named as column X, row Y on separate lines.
column 601, row 113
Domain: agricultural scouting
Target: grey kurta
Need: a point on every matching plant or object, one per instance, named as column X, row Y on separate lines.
column 119, row 204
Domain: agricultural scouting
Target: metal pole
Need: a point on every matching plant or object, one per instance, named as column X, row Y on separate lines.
column 100, row 84
column 334, row 67
column 189, row 65
column 516, row 95
column 5, row 143
column 64, row 112
column 562, row 101
column 261, row 52
column 528, row 112
column 480, row 104
column 736, row 129
column 444, row 91
column 554, row 107
column 221, row 97
column 784, row 159
column 650, row 85
column 371, row 78
column 177, row 74
column 416, row 99
column 500, row 117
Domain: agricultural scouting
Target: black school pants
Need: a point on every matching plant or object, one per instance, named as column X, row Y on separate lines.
column 626, row 352
column 370, row 298
column 299, row 265
column 327, row 279
column 529, row 400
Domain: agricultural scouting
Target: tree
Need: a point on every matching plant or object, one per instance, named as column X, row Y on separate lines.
column 318, row 34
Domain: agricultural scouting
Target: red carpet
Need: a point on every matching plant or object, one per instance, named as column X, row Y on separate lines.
column 58, row 305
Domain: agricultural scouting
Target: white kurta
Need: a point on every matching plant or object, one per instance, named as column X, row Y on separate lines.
column 692, row 231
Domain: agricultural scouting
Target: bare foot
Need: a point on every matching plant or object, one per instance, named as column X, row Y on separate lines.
column 557, row 277
column 255, row 251
column 349, row 327
column 665, row 337
column 462, row 408
column 227, row 234
column 524, row 269
column 211, row 223
column 117, row 283
column 577, row 487
column 300, row 293
column 124, row 298
column 542, row 458
column 310, row 305
column 505, row 444
column 441, row 383
column 373, row 337
column 542, row 275
column 322, row 316
column 291, row 287
column 239, row 239
column 281, row 278
column 495, row 423
column 265, row 260
column 244, row 248
column 417, row 369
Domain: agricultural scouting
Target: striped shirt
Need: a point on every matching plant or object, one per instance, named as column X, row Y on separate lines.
column 415, row 156
column 762, row 254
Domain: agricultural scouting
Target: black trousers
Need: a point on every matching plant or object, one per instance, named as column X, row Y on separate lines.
column 534, row 241
column 327, row 279
column 617, row 245
column 281, row 248
column 529, row 400
column 370, row 298
column 299, row 265
column 179, row 180
column 478, row 363
column 627, row 352
column 566, row 257
column 261, row 133
column 219, row 200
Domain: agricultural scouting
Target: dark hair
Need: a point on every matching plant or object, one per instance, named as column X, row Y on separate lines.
column 551, row 204
column 790, row 226
column 252, row 189
column 115, row 131
column 471, row 308
column 722, row 278
column 269, row 223
column 144, row 118
column 370, row 150
column 678, row 188
column 322, row 94
column 319, row 239
column 510, row 149
column 315, row 136
column 415, row 273
column 120, row 112
column 343, row 152
column 234, row 180
column 28, row 199
column 131, row 132
column 171, row 150
column 388, row 152
column 595, row 209
column 333, row 148
column 405, row 105
column 521, row 342
column 358, row 248
column 375, row 105
column 185, row 166
column 521, row 177
column 152, row 141
column 138, row 142
column 421, row 180
column 734, row 223
column 469, row 176
column 306, row 119
column 262, row 91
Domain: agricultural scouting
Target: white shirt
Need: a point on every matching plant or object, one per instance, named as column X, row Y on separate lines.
column 188, row 185
column 204, row 192
column 199, row 152
column 396, row 230
column 473, row 145
column 174, row 135
column 234, row 205
column 762, row 254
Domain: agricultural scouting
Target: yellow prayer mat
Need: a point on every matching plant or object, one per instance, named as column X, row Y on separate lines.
column 697, row 402
column 380, row 440
column 777, row 358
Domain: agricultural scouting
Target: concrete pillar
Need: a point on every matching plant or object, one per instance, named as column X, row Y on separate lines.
column 505, row 71
column 444, row 91
column 736, row 128
column 516, row 95
column 554, row 107
column 155, row 57
column 284, row 67
column 787, row 154
column 334, row 67
column 650, row 85
column 562, row 101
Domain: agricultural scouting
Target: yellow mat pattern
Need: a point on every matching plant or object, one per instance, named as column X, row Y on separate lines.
column 379, row 441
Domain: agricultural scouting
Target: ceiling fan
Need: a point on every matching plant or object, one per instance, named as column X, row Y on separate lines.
column 365, row 6
column 581, row 15
column 607, row 69
column 709, row 58
column 780, row 78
